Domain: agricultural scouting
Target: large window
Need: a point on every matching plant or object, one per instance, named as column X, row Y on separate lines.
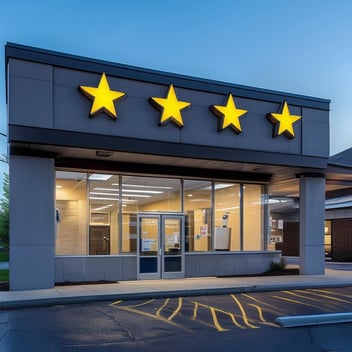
column 104, row 210
column 227, row 215
column 97, row 212
column 71, row 208
column 253, row 217
column 197, row 207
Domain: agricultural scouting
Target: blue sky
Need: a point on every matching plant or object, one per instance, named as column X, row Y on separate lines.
column 296, row 46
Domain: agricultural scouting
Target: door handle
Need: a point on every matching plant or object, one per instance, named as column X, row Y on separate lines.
column 160, row 251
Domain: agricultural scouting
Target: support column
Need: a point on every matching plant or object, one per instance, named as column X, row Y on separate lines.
column 32, row 222
column 312, row 216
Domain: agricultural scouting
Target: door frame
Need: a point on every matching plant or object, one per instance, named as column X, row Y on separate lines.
column 161, row 273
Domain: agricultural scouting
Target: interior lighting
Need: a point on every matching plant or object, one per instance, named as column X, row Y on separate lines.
column 103, row 193
column 141, row 191
column 142, row 186
column 103, row 207
column 99, row 177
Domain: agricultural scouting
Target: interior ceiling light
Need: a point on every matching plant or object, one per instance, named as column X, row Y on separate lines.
column 103, row 153
column 99, row 177
column 141, row 191
column 104, row 194
column 103, row 207
column 136, row 195
column 106, row 189
column 142, row 186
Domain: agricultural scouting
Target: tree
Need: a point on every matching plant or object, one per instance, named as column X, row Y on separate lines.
column 5, row 212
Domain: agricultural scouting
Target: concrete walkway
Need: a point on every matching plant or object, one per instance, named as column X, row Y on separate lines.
column 125, row 290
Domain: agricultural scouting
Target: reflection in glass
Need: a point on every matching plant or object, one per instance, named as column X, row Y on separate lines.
column 71, row 207
column 227, row 204
column 197, row 205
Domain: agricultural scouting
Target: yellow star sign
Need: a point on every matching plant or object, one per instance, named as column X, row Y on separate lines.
column 103, row 97
column 284, row 122
column 170, row 107
column 229, row 114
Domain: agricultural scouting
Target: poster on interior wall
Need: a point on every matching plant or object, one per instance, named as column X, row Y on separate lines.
column 147, row 244
column 280, row 224
column 204, row 231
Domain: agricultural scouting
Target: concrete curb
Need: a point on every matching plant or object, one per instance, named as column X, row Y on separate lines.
column 317, row 319
column 103, row 296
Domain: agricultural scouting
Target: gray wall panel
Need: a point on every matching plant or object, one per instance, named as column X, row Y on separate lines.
column 28, row 69
column 315, row 132
column 30, row 102
column 224, row 264
column 32, row 201
column 137, row 118
column 33, row 267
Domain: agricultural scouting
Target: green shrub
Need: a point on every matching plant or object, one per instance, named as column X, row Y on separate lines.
column 278, row 266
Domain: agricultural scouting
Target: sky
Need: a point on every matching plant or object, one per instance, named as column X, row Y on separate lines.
column 296, row 46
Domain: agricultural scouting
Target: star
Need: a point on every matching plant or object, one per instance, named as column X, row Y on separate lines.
column 229, row 114
column 103, row 97
column 170, row 107
column 285, row 120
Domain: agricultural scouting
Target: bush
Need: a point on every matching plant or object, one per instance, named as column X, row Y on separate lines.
column 278, row 266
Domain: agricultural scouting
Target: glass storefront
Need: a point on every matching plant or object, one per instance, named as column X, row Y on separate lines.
column 98, row 212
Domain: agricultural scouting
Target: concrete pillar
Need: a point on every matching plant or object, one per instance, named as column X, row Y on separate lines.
column 312, row 216
column 32, row 222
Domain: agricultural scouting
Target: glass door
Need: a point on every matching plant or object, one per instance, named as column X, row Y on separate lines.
column 149, row 246
column 173, row 251
column 160, row 246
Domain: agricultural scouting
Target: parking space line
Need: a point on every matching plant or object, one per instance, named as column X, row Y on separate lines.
column 272, row 308
column 195, row 310
column 140, row 304
column 261, row 316
column 216, row 321
column 331, row 293
column 231, row 315
column 244, row 315
column 176, row 310
column 162, row 307
column 294, row 301
column 302, row 296
column 328, row 297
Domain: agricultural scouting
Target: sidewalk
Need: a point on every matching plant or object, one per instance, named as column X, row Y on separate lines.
column 126, row 290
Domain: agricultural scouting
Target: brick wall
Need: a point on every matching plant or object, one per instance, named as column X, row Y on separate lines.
column 342, row 238
column 290, row 244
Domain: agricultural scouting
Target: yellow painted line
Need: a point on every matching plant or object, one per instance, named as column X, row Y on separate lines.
column 162, row 307
column 302, row 296
column 141, row 304
column 261, row 316
column 329, row 297
column 332, row 293
column 138, row 312
column 116, row 302
column 231, row 315
column 273, row 308
column 176, row 310
column 294, row 301
column 216, row 321
column 244, row 315
column 195, row 310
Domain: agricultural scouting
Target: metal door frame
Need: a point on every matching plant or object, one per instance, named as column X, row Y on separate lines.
column 161, row 274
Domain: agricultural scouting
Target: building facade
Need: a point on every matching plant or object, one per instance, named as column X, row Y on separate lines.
column 123, row 173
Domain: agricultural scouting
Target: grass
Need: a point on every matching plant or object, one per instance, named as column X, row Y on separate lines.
column 4, row 256
column 4, row 275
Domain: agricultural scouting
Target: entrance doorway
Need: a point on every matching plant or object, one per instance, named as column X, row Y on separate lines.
column 160, row 246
